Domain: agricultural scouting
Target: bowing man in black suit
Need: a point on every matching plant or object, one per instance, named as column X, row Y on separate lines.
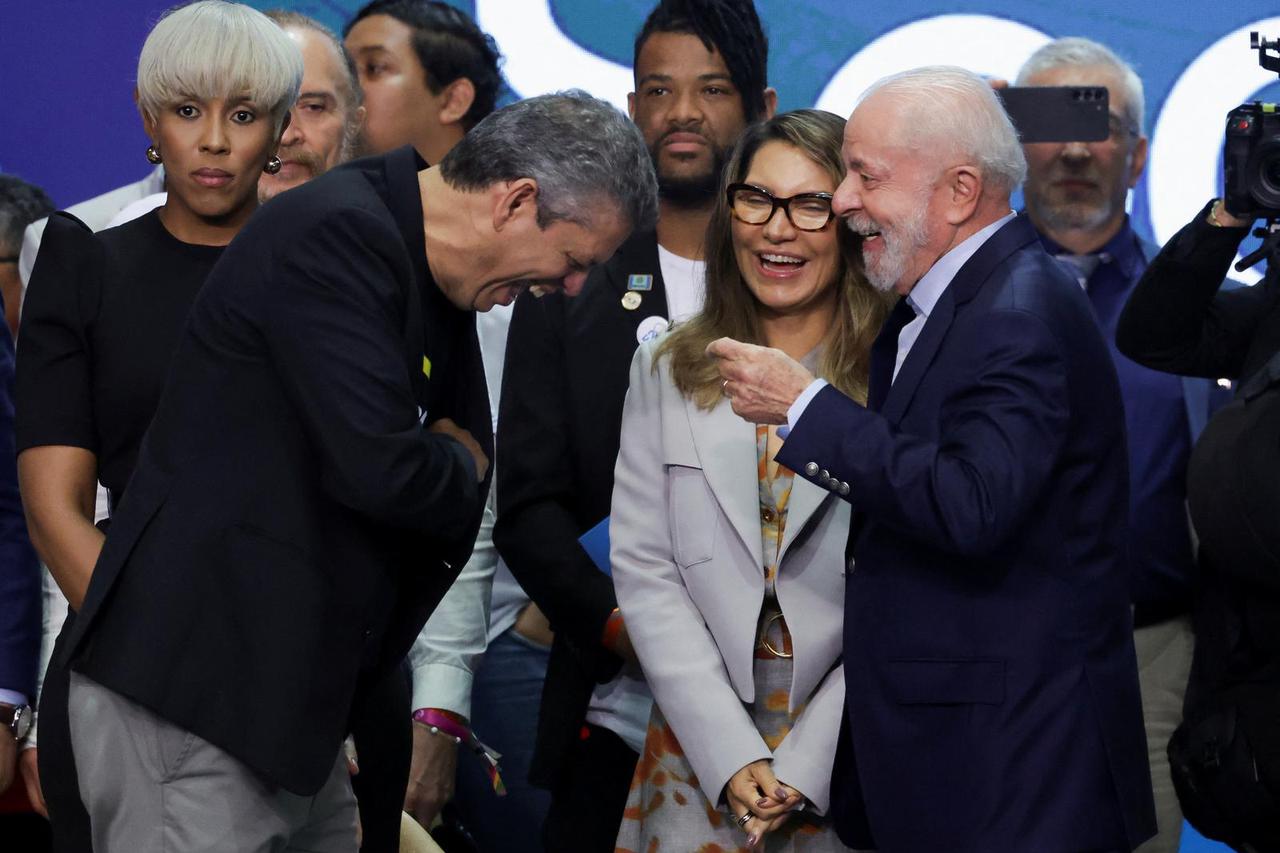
column 310, row 484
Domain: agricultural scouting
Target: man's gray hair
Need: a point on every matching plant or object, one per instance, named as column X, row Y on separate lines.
column 581, row 150
column 1073, row 50
column 216, row 49
column 949, row 107
column 21, row 204
column 348, row 84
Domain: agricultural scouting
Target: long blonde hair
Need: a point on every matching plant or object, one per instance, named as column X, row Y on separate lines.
column 730, row 309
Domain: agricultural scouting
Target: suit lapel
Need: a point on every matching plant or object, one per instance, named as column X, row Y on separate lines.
column 1011, row 237
column 805, row 500
column 726, row 447
column 405, row 203
column 637, row 256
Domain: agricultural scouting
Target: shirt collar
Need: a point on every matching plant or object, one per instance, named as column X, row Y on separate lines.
column 1123, row 247
column 930, row 287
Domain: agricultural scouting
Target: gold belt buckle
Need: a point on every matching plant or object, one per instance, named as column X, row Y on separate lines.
column 764, row 636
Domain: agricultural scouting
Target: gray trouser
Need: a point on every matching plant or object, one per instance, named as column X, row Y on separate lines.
column 152, row 787
column 1164, row 663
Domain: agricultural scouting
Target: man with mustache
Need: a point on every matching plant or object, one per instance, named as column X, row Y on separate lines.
column 326, row 120
column 700, row 77
column 1075, row 194
column 991, row 688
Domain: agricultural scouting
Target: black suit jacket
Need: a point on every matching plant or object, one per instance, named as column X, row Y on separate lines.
column 563, row 386
column 290, row 524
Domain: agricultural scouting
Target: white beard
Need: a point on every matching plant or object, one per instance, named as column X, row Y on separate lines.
column 899, row 243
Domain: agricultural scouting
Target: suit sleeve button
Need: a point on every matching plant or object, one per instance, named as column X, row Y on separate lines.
column 811, row 470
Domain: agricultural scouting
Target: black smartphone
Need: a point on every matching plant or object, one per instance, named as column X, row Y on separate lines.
column 1058, row 113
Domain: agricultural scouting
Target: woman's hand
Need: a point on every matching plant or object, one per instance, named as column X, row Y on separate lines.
column 758, row 800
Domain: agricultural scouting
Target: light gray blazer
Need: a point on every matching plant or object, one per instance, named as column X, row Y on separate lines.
column 687, row 564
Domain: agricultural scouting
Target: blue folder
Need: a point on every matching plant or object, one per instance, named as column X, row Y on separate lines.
column 596, row 543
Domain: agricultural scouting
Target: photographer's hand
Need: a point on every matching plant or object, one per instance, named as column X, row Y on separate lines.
column 1220, row 217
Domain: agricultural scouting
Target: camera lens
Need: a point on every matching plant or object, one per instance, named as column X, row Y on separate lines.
column 1265, row 163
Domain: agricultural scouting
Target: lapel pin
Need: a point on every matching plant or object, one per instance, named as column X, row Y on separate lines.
column 631, row 300
column 639, row 281
column 651, row 327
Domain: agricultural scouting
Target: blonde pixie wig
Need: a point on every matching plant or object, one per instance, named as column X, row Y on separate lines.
column 217, row 49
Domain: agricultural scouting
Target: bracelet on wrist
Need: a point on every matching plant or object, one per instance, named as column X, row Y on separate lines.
column 1220, row 205
column 1213, row 213
column 448, row 724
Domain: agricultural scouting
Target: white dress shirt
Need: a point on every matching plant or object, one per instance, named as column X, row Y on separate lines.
column 445, row 655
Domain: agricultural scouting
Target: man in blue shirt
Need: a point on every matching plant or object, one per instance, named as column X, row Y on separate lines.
column 20, row 203
column 1075, row 194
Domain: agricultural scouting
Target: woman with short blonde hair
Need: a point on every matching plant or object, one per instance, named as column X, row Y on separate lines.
column 103, row 311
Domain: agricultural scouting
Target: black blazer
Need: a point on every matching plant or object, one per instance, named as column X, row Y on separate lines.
column 290, row 525
column 563, row 386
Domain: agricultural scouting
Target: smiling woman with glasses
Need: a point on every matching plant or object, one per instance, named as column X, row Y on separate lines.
column 729, row 571
column 756, row 206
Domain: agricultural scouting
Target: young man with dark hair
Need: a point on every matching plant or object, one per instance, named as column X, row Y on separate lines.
column 700, row 69
column 428, row 73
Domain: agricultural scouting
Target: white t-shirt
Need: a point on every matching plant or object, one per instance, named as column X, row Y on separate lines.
column 685, row 283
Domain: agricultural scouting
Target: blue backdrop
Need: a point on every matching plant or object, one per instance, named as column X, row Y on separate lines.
column 67, row 69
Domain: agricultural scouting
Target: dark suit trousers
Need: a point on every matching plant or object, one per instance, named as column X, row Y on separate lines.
column 382, row 729
column 587, row 801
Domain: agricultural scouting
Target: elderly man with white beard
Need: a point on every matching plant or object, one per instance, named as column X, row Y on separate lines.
column 992, row 694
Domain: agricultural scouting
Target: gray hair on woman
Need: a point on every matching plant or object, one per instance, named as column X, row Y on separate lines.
column 581, row 151
column 216, row 49
column 952, row 109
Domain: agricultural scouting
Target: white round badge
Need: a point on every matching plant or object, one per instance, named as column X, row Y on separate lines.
column 651, row 327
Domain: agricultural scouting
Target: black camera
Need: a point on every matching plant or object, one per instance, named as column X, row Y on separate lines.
column 1251, row 157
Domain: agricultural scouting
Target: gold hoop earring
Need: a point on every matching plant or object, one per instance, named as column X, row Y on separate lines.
column 153, row 155
column 273, row 165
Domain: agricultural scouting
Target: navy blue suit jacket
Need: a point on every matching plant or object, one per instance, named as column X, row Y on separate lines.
column 19, row 569
column 992, row 692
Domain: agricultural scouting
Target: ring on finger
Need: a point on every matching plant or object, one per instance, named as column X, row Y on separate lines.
column 742, row 821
